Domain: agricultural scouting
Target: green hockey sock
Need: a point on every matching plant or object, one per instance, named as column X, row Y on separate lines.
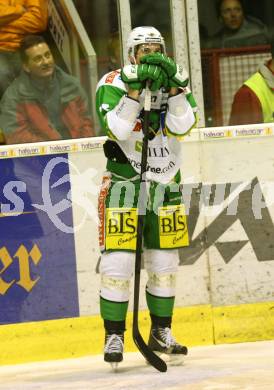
column 160, row 306
column 113, row 311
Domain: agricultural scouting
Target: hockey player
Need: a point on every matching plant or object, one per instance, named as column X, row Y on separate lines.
column 120, row 98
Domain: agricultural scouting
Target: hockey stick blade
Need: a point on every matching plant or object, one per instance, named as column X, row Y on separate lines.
column 148, row 354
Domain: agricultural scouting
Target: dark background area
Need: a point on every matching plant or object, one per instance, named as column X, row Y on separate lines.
column 261, row 9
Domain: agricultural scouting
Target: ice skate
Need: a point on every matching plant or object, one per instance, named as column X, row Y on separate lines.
column 163, row 343
column 114, row 348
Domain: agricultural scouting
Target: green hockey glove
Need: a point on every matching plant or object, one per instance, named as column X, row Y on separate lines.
column 166, row 63
column 160, row 81
column 137, row 75
column 129, row 75
column 180, row 79
column 177, row 76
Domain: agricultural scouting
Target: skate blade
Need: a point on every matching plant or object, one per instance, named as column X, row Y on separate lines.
column 114, row 366
column 171, row 359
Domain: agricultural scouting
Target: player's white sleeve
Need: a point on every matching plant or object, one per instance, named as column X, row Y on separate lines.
column 180, row 117
column 122, row 119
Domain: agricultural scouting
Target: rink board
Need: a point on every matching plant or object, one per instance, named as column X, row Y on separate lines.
column 49, row 254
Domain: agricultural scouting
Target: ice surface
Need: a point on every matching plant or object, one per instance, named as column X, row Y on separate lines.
column 244, row 366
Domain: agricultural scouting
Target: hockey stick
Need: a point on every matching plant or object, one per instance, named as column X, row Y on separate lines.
column 148, row 354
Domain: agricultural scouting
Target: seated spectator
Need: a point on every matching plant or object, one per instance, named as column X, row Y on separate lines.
column 238, row 29
column 17, row 19
column 44, row 103
column 254, row 101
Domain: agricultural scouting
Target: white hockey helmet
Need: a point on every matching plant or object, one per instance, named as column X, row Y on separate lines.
column 144, row 34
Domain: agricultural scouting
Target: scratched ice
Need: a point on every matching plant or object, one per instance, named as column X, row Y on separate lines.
column 244, row 366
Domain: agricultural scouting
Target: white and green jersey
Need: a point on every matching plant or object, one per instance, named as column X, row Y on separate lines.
column 121, row 119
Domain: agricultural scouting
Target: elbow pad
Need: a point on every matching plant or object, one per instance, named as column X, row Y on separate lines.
column 178, row 105
column 180, row 117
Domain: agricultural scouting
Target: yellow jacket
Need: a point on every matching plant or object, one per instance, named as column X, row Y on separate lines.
column 19, row 18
